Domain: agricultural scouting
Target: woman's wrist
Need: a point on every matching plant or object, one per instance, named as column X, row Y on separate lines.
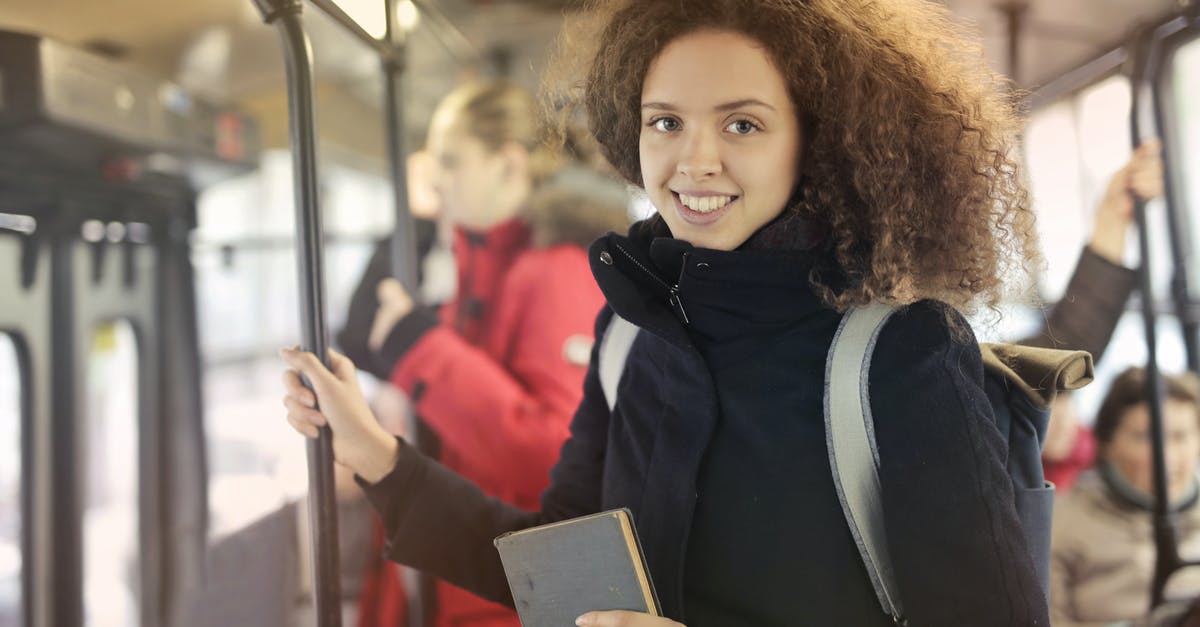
column 379, row 457
column 1109, row 243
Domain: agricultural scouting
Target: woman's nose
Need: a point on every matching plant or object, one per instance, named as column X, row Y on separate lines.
column 701, row 156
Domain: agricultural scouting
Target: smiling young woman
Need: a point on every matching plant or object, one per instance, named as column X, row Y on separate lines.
column 803, row 157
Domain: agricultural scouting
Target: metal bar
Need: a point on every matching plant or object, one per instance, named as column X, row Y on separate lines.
column 322, row 506
column 1014, row 15
column 403, row 250
column 442, row 28
column 1094, row 69
column 1078, row 78
column 1170, row 37
column 1167, row 550
column 448, row 35
column 66, row 509
column 404, row 243
column 384, row 49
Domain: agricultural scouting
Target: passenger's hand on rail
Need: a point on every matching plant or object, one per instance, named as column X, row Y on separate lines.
column 358, row 439
column 394, row 304
column 1146, row 171
column 618, row 618
column 1139, row 179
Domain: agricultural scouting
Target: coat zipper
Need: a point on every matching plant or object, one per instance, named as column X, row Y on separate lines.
column 674, row 300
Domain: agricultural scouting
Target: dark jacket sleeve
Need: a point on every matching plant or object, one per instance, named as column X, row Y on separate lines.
column 439, row 522
column 351, row 339
column 956, row 542
column 1088, row 312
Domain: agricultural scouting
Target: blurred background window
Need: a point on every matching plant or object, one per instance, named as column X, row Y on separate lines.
column 1185, row 74
column 11, row 512
column 247, row 293
column 109, row 438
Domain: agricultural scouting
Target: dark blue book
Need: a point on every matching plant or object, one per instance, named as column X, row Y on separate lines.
column 560, row 571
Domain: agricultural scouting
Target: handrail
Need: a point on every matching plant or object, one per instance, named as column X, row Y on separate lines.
column 1167, row 38
column 1145, row 69
column 390, row 48
column 322, row 506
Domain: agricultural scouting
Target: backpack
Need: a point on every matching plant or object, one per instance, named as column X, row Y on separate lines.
column 1021, row 383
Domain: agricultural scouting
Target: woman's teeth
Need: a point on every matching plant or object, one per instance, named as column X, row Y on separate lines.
column 704, row 204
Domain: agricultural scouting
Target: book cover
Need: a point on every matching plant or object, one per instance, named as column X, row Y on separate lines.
column 562, row 570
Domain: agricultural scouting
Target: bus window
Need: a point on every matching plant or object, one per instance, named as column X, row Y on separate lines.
column 1052, row 158
column 1072, row 148
column 247, row 294
column 11, row 514
column 109, row 438
column 1185, row 75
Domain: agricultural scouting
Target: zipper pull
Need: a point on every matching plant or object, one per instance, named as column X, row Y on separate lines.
column 675, row 300
column 677, row 305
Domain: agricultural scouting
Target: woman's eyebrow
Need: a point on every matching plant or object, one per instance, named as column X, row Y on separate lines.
column 739, row 104
column 728, row 106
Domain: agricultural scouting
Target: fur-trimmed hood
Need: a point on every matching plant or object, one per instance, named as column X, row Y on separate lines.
column 576, row 206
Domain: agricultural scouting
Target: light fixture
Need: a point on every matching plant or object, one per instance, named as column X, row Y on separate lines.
column 368, row 13
column 407, row 15
column 371, row 16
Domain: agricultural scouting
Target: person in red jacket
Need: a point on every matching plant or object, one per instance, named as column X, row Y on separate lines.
column 494, row 375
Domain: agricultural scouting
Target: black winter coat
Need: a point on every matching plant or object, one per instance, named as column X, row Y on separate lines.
column 717, row 446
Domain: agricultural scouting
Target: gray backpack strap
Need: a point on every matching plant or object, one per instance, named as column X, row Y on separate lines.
column 850, row 440
column 614, row 350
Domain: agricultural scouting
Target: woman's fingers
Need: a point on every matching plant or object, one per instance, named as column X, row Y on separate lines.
column 618, row 618
column 296, row 389
column 305, row 427
column 304, row 412
column 343, row 368
column 307, row 364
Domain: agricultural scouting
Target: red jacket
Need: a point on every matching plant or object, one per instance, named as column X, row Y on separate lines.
column 498, row 378
column 1062, row 473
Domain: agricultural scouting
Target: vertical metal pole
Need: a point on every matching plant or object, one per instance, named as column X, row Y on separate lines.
column 404, row 243
column 322, row 505
column 404, row 249
column 1181, row 244
column 1014, row 14
column 1167, row 552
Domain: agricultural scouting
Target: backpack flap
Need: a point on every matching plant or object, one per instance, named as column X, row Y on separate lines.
column 1022, row 383
column 1038, row 373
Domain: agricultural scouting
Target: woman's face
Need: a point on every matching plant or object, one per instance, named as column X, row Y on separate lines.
column 1129, row 451
column 720, row 140
column 469, row 177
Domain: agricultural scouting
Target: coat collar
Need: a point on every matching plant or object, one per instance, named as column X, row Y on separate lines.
column 683, row 294
column 502, row 238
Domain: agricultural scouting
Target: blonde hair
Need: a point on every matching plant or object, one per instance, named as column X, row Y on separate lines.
column 500, row 113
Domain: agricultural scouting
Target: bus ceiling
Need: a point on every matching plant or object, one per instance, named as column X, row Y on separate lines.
column 218, row 50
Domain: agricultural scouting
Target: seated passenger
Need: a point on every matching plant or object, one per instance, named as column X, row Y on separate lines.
column 1102, row 559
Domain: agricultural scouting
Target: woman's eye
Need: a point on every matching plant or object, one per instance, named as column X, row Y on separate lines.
column 742, row 127
column 666, row 125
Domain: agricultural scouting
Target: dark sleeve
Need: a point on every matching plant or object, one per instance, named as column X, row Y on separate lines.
column 956, row 542
column 352, row 338
column 1085, row 317
column 439, row 522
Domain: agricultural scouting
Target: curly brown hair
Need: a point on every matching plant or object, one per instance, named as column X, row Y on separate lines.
column 909, row 161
